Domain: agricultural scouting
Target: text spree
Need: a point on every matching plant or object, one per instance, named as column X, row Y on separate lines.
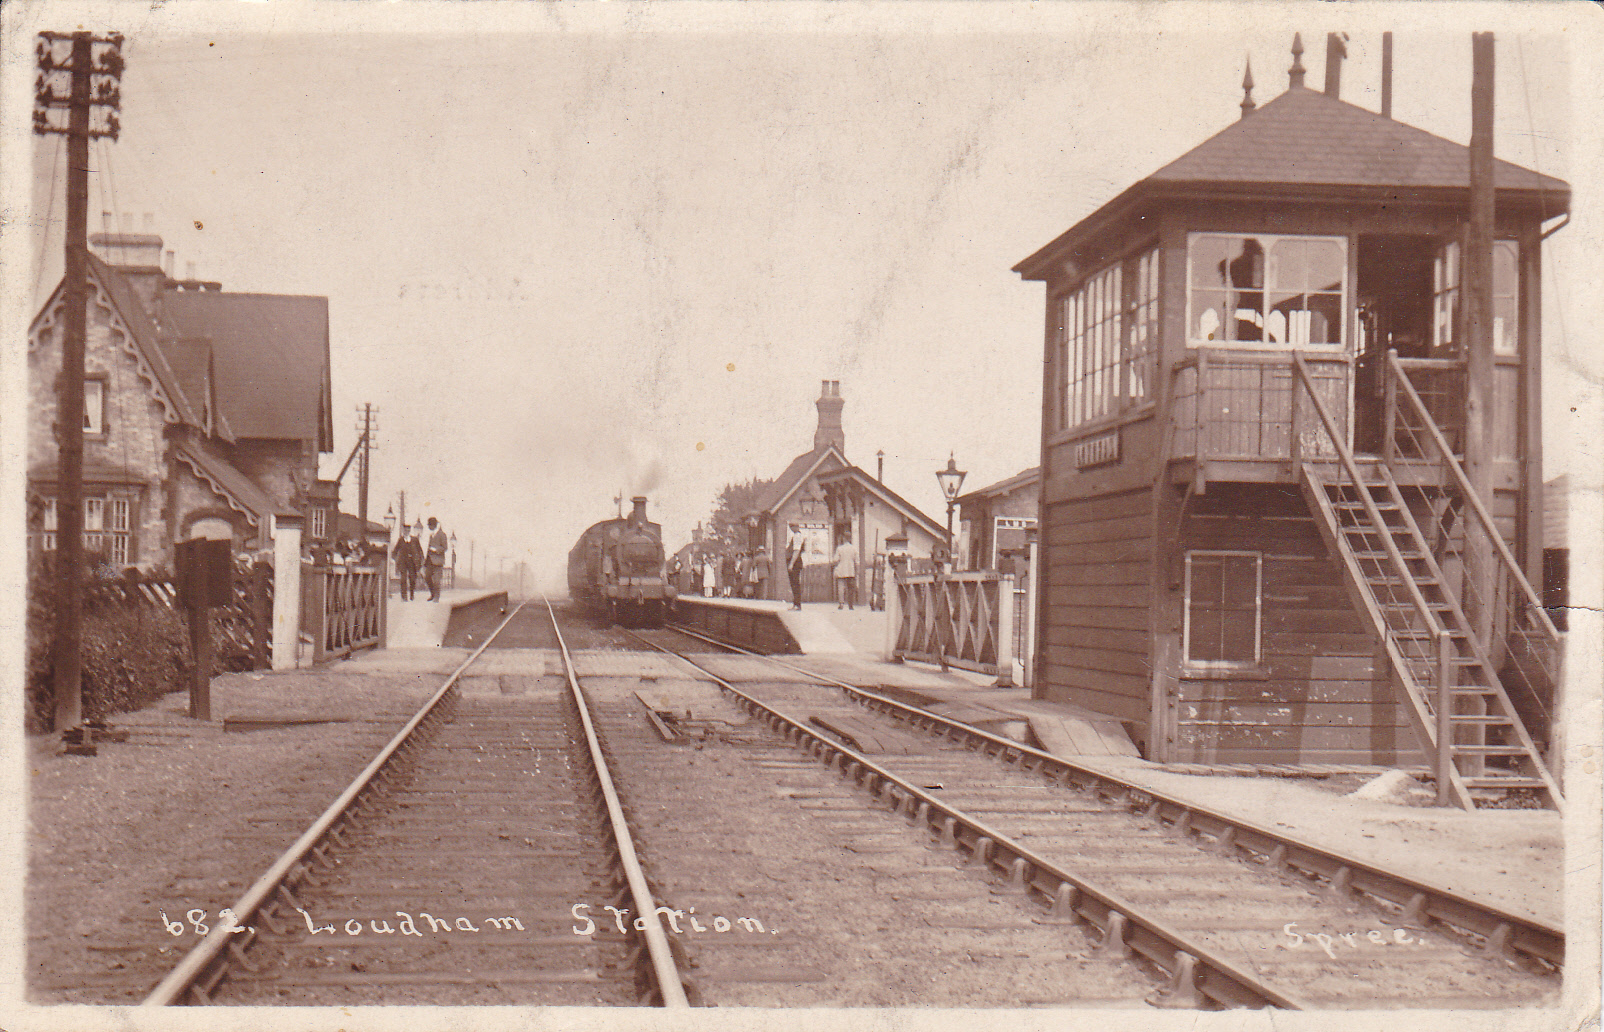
column 406, row 925
column 720, row 924
column 1375, row 937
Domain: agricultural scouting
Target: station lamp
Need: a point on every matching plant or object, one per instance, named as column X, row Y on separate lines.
column 951, row 480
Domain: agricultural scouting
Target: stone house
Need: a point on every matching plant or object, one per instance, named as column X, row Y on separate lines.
column 204, row 410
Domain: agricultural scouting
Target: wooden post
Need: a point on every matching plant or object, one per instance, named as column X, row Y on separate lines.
column 200, row 646
column 1005, row 630
column 1445, row 729
column 1389, row 449
column 261, row 616
column 1480, row 423
column 286, row 591
column 1032, row 596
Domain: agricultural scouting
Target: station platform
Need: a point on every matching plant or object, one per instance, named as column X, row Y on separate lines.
column 421, row 624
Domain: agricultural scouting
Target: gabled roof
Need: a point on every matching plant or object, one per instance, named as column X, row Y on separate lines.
column 889, row 497
column 241, row 492
column 1305, row 143
column 1024, row 478
column 191, row 360
column 270, row 359
column 128, row 308
column 786, row 484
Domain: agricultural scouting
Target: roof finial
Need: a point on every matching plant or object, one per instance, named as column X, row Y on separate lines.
column 1295, row 73
column 1247, row 89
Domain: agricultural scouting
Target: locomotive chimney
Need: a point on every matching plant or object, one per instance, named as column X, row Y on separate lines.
column 638, row 513
column 829, row 431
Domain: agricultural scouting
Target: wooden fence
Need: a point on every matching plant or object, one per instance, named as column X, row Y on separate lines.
column 965, row 620
column 242, row 631
column 343, row 609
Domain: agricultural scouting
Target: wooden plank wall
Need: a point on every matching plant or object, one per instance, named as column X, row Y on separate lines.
column 1316, row 697
column 1098, row 555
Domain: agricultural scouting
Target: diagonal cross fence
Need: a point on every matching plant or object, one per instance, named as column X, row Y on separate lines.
column 967, row 620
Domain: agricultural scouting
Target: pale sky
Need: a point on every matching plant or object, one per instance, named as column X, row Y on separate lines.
column 570, row 250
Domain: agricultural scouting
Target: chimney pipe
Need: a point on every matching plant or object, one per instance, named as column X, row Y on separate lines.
column 1336, row 50
column 107, row 224
column 1386, row 75
column 638, row 513
column 167, row 265
column 189, row 270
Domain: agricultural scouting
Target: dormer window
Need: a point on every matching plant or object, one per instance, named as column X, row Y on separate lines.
column 1266, row 292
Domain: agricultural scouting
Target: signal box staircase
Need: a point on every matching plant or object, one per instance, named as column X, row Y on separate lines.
column 1441, row 664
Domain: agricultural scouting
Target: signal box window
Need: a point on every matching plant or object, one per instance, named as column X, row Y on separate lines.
column 1223, row 609
column 1266, row 291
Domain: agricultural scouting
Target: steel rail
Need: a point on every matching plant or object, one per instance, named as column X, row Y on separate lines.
column 1196, row 972
column 186, row 975
column 648, row 920
column 1419, row 901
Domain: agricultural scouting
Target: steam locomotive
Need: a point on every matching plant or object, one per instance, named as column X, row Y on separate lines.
column 616, row 570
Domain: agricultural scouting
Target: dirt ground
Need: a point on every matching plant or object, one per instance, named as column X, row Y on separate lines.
column 144, row 828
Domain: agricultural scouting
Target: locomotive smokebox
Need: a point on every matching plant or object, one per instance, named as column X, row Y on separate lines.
column 638, row 514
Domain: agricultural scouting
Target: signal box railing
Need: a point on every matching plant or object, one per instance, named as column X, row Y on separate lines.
column 1235, row 405
column 1505, row 613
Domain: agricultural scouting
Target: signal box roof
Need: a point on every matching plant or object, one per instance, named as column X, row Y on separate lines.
column 1311, row 146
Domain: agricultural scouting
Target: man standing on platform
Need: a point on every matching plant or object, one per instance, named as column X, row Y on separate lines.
column 408, row 557
column 795, row 549
column 434, row 560
column 846, row 572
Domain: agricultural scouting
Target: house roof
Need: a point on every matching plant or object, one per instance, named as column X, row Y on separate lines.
column 241, row 492
column 1024, row 478
column 191, row 360
column 794, row 475
column 888, row 496
column 1307, row 141
column 270, row 359
column 132, row 312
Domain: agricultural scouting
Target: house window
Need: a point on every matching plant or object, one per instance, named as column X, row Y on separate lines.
column 1260, row 291
column 106, row 527
column 1223, row 609
column 94, row 406
column 1108, row 332
column 1447, row 276
column 320, row 524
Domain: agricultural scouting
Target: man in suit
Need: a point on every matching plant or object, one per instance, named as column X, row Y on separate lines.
column 408, row 557
column 434, row 559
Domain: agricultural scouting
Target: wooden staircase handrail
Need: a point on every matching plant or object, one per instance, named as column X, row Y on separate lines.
column 1483, row 517
column 1346, row 457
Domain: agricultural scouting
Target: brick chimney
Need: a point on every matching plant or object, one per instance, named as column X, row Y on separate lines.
column 829, row 431
column 138, row 256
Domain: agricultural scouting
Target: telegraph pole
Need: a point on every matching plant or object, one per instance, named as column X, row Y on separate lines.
column 366, row 444
column 93, row 72
column 1478, row 265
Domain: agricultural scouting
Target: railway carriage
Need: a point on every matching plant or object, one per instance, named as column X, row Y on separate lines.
column 616, row 570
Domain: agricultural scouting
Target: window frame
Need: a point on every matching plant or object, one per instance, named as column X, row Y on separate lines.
column 95, row 412
column 1105, row 341
column 1227, row 665
column 1343, row 343
column 112, row 532
column 1449, row 320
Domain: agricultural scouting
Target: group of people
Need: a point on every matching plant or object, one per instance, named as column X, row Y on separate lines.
column 735, row 574
column 844, row 563
column 416, row 553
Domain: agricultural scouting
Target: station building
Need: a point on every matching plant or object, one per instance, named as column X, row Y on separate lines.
column 1256, row 377
column 826, row 498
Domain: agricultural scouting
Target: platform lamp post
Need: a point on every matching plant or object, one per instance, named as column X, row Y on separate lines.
column 951, row 480
column 389, row 544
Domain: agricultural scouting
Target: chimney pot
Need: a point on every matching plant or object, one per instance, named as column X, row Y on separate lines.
column 189, row 270
column 1386, row 75
column 1336, row 50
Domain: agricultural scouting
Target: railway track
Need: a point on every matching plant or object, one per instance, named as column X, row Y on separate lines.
column 445, row 874
column 1226, row 912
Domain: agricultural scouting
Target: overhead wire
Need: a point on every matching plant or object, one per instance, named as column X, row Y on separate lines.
column 50, row 210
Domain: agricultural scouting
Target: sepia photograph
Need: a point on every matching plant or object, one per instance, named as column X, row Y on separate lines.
column 922, row 515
